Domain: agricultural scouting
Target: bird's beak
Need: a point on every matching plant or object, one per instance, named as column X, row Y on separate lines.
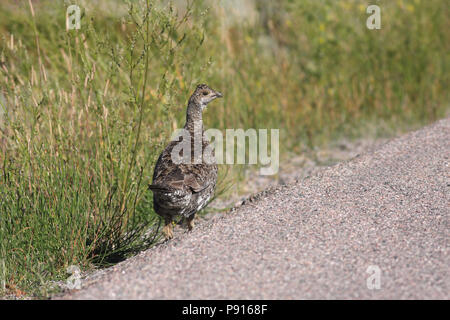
column 218, row 94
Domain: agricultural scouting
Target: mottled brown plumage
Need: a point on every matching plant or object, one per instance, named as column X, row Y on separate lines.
column 182, row 189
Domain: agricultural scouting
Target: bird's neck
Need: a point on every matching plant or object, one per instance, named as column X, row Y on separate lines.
column 194, row 120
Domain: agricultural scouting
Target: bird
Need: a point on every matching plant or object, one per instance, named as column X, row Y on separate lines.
column 182, row 188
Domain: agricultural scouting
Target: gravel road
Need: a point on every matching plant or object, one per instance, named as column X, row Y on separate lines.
column 314, row 239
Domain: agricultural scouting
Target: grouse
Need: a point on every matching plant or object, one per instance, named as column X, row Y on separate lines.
column 182, row 188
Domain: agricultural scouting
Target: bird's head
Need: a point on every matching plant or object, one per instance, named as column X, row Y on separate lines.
column 204, row 95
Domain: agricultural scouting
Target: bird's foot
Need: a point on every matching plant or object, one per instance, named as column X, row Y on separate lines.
column 190, row 222
column 168, row 231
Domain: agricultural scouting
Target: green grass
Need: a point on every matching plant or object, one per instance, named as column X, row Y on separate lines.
column 84, row 114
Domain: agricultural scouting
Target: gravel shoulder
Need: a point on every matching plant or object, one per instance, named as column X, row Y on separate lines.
column 314, row 238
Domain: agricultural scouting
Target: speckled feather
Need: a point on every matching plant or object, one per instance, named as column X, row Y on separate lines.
column 184, row 189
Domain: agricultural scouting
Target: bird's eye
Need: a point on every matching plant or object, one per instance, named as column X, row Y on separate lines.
column 205, row 93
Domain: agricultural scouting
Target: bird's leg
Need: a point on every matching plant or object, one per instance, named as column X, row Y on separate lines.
column 168, row 228
column 190, row 222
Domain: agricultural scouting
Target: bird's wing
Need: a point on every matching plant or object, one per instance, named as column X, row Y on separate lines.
column 177, row 180
column 194, row 183
column 169, row 175
column 165, row 167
